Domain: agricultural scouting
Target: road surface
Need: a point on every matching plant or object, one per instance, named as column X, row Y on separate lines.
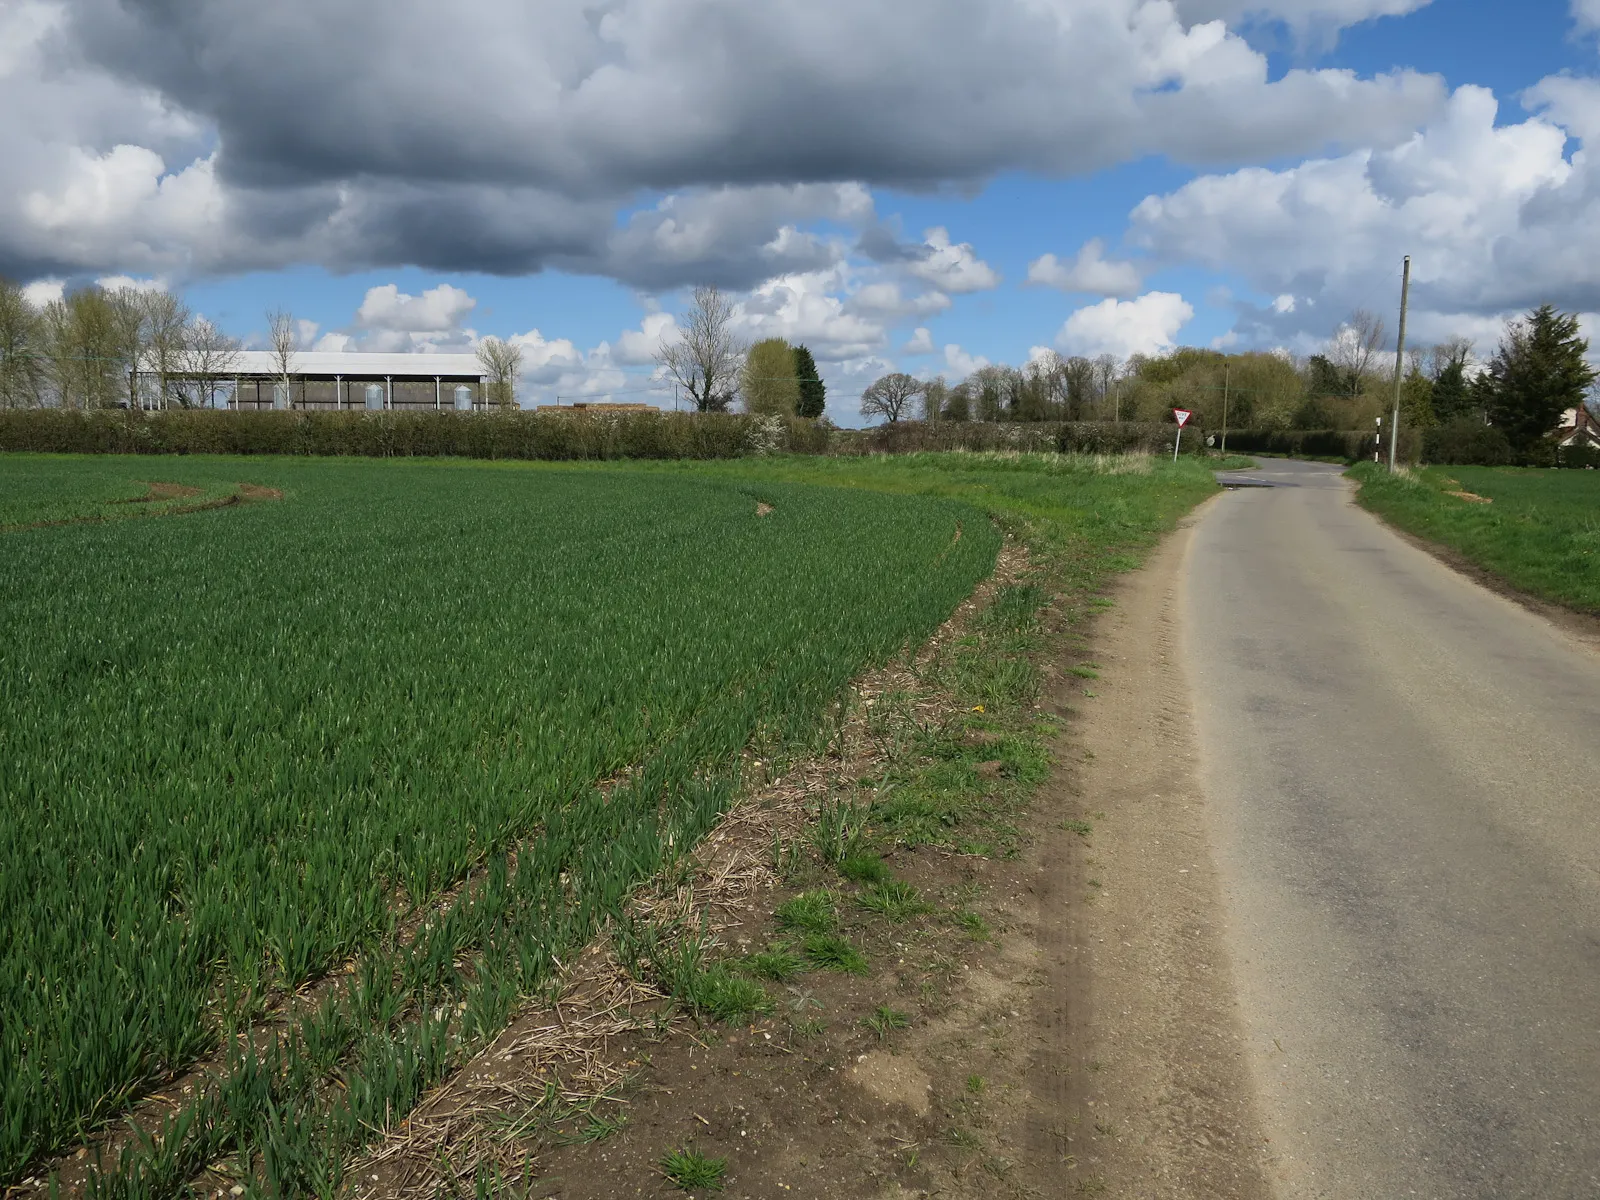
column 1402, row 775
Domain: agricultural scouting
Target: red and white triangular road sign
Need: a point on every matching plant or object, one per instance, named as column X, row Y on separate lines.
column 1183, row 415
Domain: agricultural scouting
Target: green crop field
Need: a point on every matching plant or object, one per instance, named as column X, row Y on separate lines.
column 241, row 746
column 1539, row 531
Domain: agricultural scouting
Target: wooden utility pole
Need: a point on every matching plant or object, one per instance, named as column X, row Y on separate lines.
column 1226, row 372
column 1399, row 363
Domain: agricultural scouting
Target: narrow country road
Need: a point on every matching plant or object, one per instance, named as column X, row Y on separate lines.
column 1402, row 779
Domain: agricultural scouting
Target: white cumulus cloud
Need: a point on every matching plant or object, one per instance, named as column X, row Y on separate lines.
column 1090, row 271
column 437, row 310
column 960, row 363
column 953, row 267
column 1496, row 217
column 1147, row 325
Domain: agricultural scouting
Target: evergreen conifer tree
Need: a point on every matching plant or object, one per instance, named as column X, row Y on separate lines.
column 813, row 393
column 1450, row 399
column 1539, row 372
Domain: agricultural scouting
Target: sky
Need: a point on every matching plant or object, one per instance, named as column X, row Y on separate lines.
column 918, row 185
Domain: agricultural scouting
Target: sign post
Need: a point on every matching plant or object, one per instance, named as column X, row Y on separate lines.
column 1182, row 415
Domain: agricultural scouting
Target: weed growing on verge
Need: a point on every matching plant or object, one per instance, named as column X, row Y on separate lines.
column 895, row 900
column 779, row 964
column 883, row 1020
column 864, row 868
column 834, row 953
column 689, row 1169
column 809, row 912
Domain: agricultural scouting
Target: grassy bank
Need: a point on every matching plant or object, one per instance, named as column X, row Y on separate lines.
column 1537, row 530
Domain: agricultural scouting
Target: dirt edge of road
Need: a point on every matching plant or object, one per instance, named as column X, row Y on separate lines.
column 1163, row 1092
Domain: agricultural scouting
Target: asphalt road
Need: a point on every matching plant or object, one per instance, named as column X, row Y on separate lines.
column 1402, row 772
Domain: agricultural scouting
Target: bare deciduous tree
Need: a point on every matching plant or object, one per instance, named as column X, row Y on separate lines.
column 1450, row 352
column 502, row 363
column 890, row 396
column 285, row 341
column 126, row 308
column 1356, row 344
column 706, row 361
column 164, row 330
column 209, row 355
column 1107, row 369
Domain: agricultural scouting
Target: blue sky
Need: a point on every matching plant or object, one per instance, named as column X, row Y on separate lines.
column 403, row 225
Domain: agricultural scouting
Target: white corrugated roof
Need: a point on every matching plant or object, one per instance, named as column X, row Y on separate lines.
column 350, row 362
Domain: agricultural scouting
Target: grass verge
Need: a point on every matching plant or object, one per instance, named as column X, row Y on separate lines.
column 1537, row 530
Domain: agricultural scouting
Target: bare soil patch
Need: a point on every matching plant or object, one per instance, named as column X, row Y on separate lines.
column 252, row 491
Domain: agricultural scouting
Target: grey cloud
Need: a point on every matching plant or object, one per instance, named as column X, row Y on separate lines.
column 501, row 136
column 880, row 244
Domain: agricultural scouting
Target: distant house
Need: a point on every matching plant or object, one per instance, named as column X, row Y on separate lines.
column 1578, row 427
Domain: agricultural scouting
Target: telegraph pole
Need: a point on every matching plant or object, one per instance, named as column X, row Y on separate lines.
column 1225, row 373
column 1399, row 363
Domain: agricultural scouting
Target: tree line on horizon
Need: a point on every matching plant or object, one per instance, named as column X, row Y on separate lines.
column 1539, row 371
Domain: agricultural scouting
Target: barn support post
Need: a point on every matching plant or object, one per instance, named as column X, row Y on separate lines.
column 338, row 393
column 438, row 404
column 388, row 396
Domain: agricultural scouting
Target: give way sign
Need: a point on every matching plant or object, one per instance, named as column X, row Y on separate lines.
column 1183, row 415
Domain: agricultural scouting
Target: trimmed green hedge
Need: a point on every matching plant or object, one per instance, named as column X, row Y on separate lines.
column 528, row 435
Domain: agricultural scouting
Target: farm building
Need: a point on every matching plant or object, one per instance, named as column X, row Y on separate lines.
column 338, row 380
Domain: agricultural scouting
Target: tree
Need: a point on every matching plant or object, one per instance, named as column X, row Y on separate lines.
column 705, row 361
column 1539, row 372
column 768, row 379
column 209, row 355
column 284, row 340
column 890, row 396
column 85, row 339
column 21, row 349
column 1107, row 367
column 958, row 403
column 126, row 307
column 164, row 325
column 935, row 398
column 1447, row 366
column 1355, row 346
column 1416, row 400
column 502, row 363
column 813, row 392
